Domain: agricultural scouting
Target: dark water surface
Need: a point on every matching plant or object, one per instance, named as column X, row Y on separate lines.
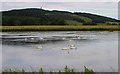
column 55, row 50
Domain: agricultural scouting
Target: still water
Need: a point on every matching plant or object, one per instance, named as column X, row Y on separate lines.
column 54, row 50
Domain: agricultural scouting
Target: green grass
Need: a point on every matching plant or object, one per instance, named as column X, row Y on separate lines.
column 60, row 28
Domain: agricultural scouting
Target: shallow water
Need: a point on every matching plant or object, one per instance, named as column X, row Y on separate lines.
column 51, row 50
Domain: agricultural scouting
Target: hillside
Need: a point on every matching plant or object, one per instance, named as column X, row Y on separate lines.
column 34, row 16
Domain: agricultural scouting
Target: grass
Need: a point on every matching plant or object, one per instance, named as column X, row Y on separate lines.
column 59, row 28
column 41, row 71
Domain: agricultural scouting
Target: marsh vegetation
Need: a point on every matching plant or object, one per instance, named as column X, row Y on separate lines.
column 59, row 28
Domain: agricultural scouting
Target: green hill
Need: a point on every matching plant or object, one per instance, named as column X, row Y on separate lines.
column 34, row 16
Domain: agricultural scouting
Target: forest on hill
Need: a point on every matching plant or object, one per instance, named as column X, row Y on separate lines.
column 34, row 16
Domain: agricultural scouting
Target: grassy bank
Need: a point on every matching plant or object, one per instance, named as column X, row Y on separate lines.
column 41, row 71
column 59, row 28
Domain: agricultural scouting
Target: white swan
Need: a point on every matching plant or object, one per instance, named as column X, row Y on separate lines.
column 25, row 39
column 72, row 47
column 63, row 38
column 70, row 40
column 32, row 38
column 78, row 37
column 65, row 48
column 39, row 47
column 41, row 38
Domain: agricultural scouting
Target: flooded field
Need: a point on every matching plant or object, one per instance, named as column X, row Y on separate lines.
column 54, row 50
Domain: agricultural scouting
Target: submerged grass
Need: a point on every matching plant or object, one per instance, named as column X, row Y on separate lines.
column 41, row 71
column 59, row 28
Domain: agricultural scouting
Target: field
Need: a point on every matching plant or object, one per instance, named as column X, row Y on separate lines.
column 59, row 28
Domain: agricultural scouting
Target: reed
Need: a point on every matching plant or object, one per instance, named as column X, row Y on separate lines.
column 59, row 28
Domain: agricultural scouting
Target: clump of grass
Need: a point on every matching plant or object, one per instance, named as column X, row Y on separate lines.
column 22, row 71
column 40, row 71
column 88, row 71
column 59, row 28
